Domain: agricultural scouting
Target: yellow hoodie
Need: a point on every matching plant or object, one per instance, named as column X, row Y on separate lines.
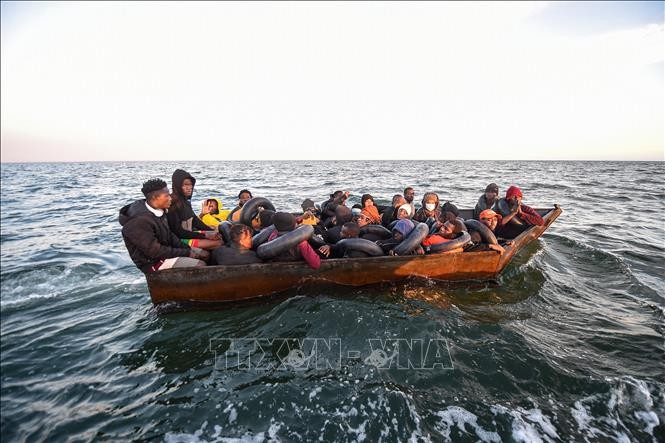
column 213, row 220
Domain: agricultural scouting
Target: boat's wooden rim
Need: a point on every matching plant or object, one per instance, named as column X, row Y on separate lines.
column 237, row 282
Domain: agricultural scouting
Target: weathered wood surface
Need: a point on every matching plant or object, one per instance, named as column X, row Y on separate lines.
column 235, row 283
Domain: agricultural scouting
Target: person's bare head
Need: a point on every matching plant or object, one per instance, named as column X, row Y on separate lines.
column 156, row 193
column 409, row 194
column 350, row 230
column 398, row 200
column 241, row 236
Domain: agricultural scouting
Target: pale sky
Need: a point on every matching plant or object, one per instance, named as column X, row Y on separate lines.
column 193, row 81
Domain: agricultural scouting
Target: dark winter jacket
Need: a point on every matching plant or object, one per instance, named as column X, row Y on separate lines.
column 147, row 237
column 182, row 219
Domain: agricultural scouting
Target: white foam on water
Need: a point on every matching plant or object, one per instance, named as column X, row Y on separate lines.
column 270, row 435
column 314, row 393
column 523, row 424
column 457, row 416
column 583, row 419
column 650, row 419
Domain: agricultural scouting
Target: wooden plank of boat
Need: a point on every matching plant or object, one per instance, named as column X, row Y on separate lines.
column 235, row 283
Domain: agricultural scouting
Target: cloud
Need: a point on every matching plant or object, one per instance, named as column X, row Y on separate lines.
column 151, row 81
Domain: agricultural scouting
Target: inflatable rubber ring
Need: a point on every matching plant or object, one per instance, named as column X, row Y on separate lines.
column 413, row 240
column 462, row 240
column 485, row 233
column 376, row 230
column 285, row 242
column 360, row 244
column 251, row 208
column 262, row 236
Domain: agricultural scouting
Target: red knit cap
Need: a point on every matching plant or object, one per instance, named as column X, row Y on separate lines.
column 513, row 191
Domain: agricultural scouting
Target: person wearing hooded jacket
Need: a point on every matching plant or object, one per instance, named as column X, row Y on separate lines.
column 212, row 212
column 181, row 217
column 430, row 209
column 150, row 243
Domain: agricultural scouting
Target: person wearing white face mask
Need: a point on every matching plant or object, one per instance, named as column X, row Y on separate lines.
column 430, row 209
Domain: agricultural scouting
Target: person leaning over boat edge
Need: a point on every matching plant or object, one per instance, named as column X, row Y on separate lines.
column 149, row 241
column 182, row 220
column 239, row 251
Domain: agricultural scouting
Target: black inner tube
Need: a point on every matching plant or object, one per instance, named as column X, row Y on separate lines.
column 225, row 230
column 377, row 230
column 485, row 233
column 251, row 208
column 413, row 240
column 262, row 236
column 462, row 240
column 287, row 241
column 360, row 244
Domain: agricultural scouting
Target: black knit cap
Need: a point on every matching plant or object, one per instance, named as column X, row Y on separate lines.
column 492, row 187
column 154, row 184
column 284, row 221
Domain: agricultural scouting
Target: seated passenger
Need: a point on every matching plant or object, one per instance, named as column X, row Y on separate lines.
column 409, row 195
column 285, row 223
column 372, row 213
column 212, row 213
column 525, row 213
column 390, row 214
column 487, row 200
column 349, row 230
column 262, row 220
column 308, row 205
column 443, row 235
column 342, row 215
column 401, row 230
column 150, row 243
column 367, row 200
column 182, row 220
column 243, row 197
column 356, row 210
column 450, row 213
column 430, row 209
column 492, row 220
column 368, row 218
column 239, row 251
column 328, row 207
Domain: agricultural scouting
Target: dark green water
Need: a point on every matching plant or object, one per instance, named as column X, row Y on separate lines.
column 569, row 346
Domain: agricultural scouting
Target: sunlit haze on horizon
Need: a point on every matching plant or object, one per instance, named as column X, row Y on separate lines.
column 95, row 81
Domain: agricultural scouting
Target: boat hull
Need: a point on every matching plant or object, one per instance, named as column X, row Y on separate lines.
column 217, row 284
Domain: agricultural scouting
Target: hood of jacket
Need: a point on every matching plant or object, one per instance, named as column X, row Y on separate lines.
column 131, row 211
column 179, row 176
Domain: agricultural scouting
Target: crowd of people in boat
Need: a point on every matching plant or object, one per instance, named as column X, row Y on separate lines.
column 162, row 231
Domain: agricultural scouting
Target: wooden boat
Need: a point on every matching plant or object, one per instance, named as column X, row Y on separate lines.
column 242, row 282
